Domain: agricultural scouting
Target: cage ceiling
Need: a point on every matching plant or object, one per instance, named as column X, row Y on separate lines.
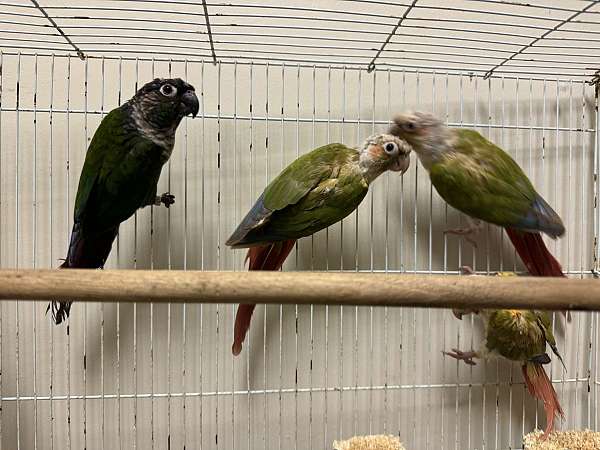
column 558, row 38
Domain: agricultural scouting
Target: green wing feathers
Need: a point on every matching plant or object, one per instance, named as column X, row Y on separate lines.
column 315, row 191
column 481, row 180
column 120, row 172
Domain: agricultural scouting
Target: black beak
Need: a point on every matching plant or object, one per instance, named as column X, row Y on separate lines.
column 190, row 103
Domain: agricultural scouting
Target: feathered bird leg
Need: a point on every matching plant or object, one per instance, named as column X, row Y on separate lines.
column 467, row 357
column 166, row 199
column 473, row 227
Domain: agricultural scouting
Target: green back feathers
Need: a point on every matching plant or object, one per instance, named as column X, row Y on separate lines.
column 483, row 181
column 315, row 191
column 304, row 174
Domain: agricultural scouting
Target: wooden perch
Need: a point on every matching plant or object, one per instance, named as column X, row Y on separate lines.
column 319, row 288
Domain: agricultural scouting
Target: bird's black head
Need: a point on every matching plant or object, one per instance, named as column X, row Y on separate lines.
column 162, row 103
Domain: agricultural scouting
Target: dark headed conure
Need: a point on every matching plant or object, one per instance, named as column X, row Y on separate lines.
column 480, row 179
column 121, row 171
column 521, row 336
column 313, row 192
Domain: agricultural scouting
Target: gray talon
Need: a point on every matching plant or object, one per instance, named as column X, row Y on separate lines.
column 167, row 199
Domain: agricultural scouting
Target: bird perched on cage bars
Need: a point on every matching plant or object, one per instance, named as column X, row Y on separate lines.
column 480, row 179
column 315, row 191
column 522, row 336
column 121, row 171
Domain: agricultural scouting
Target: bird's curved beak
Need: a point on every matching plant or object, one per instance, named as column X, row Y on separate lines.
column 190, row 103
column 401, row 164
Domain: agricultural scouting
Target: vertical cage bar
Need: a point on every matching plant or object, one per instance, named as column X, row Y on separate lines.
column 265, row 309
column 356, row 268
column 169, row 248
column 326, row 412
column 312, row 236
column 252, row 187
column 584, row 166
column 596, row 255
column 1, row 213
column 151, row 239
column 387, row 265
column 68, row 197
column 236, row 221
column 312, row 266
column 185, row 267
column 17, row 240
column 556, row 152
column 118, row 318
column 202, row 223
column 102, row 399
column 34, row 213
column 371, row 226
column 85, row 306
column 217, row 309
column 135, row 317
column 282, row 163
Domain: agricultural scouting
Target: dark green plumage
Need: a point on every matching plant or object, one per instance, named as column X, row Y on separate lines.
column 121, row 170
column 315, row 191
column 120, row 173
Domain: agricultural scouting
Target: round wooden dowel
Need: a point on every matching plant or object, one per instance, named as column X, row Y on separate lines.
column 319, row 288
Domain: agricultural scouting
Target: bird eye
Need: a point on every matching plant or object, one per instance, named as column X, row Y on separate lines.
column 410, row 126
column 390, row 147
column 168, row 91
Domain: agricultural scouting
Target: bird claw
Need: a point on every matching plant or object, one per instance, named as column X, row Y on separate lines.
column 467, row 357
column 167, row 199
column 459, row 313
column 466, row 270
column 473, row 227
column 465, row 233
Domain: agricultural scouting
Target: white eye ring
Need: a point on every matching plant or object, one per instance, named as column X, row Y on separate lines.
column 168, row 90
column 390, row 147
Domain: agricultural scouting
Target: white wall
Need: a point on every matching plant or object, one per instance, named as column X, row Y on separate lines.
column 137, row 351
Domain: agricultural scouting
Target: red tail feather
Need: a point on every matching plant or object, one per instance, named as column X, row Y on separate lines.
column 534, row 253
column 540, row 387
column 265, row 257
column 536, row 256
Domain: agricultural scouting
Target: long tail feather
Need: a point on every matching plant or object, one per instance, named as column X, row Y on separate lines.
column 540, row 387
column 534, row 253
column 265, row 257
column 84, row 253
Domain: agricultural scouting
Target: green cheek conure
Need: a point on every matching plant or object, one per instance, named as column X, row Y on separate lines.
column 313, row 192
column 480, row 179
column 121, row 171
column 521, row 336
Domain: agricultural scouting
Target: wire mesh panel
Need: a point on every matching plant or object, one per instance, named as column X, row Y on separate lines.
column 289, row 78
column 162, row 376
column 479, row 36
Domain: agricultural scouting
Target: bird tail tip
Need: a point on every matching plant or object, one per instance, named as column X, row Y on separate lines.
column 59, row 310
column 243, row 317
column 540, row 387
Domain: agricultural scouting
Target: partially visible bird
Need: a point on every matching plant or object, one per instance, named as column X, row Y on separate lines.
column 521, row 336
column 315, row 191
column 121, row 171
